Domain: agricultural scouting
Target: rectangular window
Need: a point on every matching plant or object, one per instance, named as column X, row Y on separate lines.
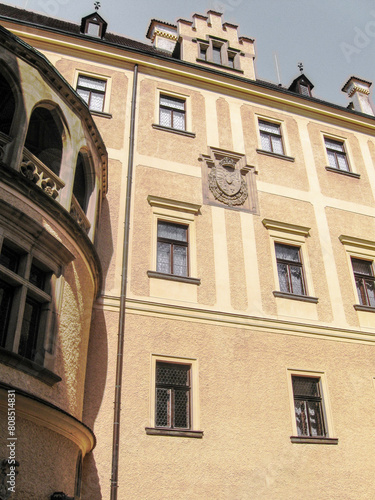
column 203, row 52
column 92, row 91
column 172, row 112
column 216, row 54
column 270, row 137
column 172, row 248
column 336, row 154
column 289, row 269
column 308, row 406
column 24, row 290
column 365, row 281
column 172, row 398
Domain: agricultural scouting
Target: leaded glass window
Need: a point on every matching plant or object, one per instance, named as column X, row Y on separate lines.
column 308, row 406
column 92, row 91
column 172, row 248
column 173, row 387
column 336, row 155
column 270, row 137
column 172, row 112
column 365, row 281
column 289, row 269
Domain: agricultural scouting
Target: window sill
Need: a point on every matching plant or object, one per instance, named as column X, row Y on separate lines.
column 173, row 130
column 219, row 65
column 27, row 366
column 313, row 440
column 275, row 155
column 153, row 431
column 101, row 113
column 173, row 277
column 359, row 307
column 294, row 296
column 343, row 172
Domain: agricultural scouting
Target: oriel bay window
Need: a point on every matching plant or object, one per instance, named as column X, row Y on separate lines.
column 365, row 281
column 172, row 399
column 289, row 269
column 308, row 406
column 172, row 112
column 172, row 248
column 25, row 302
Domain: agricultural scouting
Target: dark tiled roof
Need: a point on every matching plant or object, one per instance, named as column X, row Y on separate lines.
column 6, row 11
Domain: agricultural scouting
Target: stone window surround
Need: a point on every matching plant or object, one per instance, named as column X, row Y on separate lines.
column 327, row 413
column 358, row 248
column 194, row 431
column 293, row 235
column 179, row 213
column 108, row 88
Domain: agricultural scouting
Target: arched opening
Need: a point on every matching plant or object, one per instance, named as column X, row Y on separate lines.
column 80, row 183
column 7, row 105
column 44, row 138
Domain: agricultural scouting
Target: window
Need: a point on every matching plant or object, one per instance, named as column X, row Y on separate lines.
column 172, row 395
column 216, row 54
column 92, row 91
column 336, row 155
column 365, row 281
column 172, row 251
column 172, row 112
column 231, row 58
column 270, row 137
column 203, row 51
column 25, row 302
column 174, row 401
column 308, row 406
column 289, row 269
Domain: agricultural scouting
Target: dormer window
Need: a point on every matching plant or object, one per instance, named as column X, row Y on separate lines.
column 94, row 25
column 218, row 52
column 302, row 85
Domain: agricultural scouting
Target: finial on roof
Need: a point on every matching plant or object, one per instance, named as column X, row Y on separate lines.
column 97, row 5
column 300, row 66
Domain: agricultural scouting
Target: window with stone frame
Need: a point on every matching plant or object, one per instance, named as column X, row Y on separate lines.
column 290, row 269
column 172, row 112
column 308, row 406
column 25, row 302
column 336, row 153
column 365, row 281
column 173, row 395
column 92, row 91
column 172, row 248
column 270, row 137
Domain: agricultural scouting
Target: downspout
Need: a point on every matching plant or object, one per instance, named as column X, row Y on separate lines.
column 121, row 324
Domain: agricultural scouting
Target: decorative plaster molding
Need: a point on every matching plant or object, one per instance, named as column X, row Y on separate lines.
column 286, row 227
column 156, row 201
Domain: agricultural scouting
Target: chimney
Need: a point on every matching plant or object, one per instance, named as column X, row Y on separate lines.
column 163, row 35
column 359, row 91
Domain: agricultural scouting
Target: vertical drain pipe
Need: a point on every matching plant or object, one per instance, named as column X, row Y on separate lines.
column 121, row 324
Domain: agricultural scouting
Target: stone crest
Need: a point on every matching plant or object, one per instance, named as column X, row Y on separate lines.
column 228, row 180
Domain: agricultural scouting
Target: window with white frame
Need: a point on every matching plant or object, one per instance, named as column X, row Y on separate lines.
column 92, row 90
column 270, row 137
column 336, row 153
column 174, row 397
column 172, row 112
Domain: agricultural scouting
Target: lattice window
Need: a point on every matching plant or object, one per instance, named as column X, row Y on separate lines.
column 172, row 112
column 336, row 154
column 172, row 248
column 92, row 91
column 173, row 386
column 270, row 136
column 308, row 406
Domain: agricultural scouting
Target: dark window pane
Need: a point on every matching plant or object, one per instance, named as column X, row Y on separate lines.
column 296, row 280
column 287, row 252
column 362, row 267
column 163, row 264
column 37, row 276
column 315, row 418
column 301, row 418
column 6, row 298
column 216, row 54
column 306, row 386
column 29, row 329
column 163, row 407
column 282, row 270
column 203, row 52
column 172, row 374
column 9, row 258
column 181, row 409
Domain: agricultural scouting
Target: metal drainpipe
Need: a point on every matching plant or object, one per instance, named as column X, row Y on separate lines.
column 121, row 324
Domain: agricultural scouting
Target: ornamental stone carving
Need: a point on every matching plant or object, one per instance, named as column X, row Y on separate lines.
column 40, row 175
column 228, row 180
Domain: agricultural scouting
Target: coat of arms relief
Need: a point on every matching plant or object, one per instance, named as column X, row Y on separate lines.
column 228, row 180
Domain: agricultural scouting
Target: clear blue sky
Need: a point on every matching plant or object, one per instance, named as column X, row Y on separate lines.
column 334, row 39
